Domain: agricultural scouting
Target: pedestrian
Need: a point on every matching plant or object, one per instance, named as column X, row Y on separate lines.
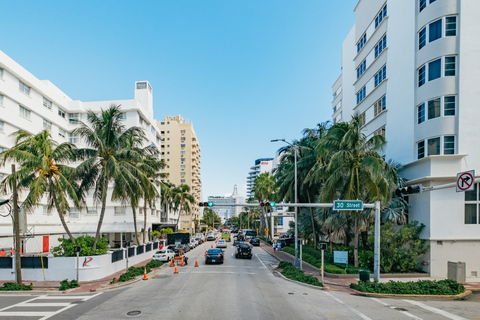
column 274, row 246
column 279, row 246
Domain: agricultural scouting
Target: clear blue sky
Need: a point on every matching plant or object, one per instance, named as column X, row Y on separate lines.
column 244, row 72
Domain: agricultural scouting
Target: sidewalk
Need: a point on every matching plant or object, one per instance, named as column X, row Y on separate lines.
column 343, row 285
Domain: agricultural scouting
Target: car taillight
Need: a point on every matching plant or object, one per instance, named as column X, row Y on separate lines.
column 219, row 255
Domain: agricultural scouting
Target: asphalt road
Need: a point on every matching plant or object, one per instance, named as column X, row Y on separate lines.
column 238, row 289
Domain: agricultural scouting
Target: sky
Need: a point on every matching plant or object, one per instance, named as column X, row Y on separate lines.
column 243, row 72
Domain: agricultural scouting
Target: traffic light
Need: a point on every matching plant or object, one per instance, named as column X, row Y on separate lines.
column 405, row 191
column 206, row 204
column 267, row 204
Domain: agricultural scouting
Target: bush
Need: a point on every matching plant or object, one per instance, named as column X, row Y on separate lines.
column 265, row 239
column 283, row 264
column 290, row 272
column 133, row 272
column 12, row 286
column 154, row 264
column 66, row 247
column 64, row 285
column 423, row 287
column 331, row 268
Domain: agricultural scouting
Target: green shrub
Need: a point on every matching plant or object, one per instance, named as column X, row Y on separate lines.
column 64, row 284
column 265, row 239
column 284, row 264
column 133, row 272
column 12, row 286
column 66, row 247
column 154, row 264
column 423, row 287
column 331, row 268
column 290, row 272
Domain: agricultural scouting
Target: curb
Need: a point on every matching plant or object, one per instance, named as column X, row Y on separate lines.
column 389, row 295
column 108, row 286
column 301, row 283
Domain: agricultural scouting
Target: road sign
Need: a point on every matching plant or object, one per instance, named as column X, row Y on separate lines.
column 323, row 246
column 465, row 181
column 348, row 205
column 340, row 257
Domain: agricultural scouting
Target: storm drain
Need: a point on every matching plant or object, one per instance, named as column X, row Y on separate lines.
column 290, row 293
column 133, row 313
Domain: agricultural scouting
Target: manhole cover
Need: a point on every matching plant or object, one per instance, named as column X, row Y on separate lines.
column 133, row 313
column 290, row 293
column 305, row 294
column 400, row 309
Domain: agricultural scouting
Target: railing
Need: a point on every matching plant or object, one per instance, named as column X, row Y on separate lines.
column 140, row 249
column 6, row 263
column 148, row 247
column 34, row 262
column 117, row 256
column 131, row 251
column 155, row 245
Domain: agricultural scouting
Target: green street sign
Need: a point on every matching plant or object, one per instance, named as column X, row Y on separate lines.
column 352, row 205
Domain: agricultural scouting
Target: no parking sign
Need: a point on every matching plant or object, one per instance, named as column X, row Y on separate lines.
column 466, row 181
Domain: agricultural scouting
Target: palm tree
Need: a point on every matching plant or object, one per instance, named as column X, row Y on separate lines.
column 166, row 196
column 43, row 172
column 183, row 200
column 264, row 187
column 108, row 158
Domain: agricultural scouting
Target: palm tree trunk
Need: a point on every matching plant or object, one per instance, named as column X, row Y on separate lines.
column 135, row 226
column 102, row 212
column 313, row 224
column 145, row 220
column 355, row 251
column 62, row 219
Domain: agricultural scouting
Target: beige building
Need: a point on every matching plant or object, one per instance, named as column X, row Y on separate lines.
column 181, row 152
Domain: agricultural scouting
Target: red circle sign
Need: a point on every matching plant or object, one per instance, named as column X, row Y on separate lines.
column 465, row 181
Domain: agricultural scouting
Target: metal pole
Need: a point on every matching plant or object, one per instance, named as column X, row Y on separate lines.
column 376, row 262
column 78, row 266
column 301, row 261
column 271, row 223
column 16, row 225
column 322, row 266
column 297, row 263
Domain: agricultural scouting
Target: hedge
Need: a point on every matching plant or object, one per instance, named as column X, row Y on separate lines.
column 423, row 287
column 12, row 286
column 290, row 272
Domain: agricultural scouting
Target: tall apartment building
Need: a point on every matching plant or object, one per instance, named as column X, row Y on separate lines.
column 409, row 69
column 222, row 204
column 182, row 158
column 261, row 166
column 31, row 104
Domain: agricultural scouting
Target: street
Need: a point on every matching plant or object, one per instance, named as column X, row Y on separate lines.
column 238, row 289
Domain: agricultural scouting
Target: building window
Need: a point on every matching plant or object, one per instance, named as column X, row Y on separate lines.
column 182, row 139
column 141, row 85
column 421, row 149
column 449, row 106
column 421, row 113
column 182, row 173
column 422, row 38
column 361, row 43
column 74, row 213
column 1, row 72
column 380, row 76
column 361, row 68
column 152, row 130
column 421, row 76
column 24, row 88
column 182, row 159
column 74, row 138
column 422, row 4
column 434, row 69
column 435, row 30
column 361, row 95
column 449, row 145
column 47, row 125
column 1, row 126
column 380, row 132
column 450, row 26
column 434, row 108
column 24, row 112
column 182, row 145
column 120, row 210
column 47, row 103
column 362, row 119
column 1, row 100
column 123, row 116
column 433, row 146
column 471, row 205
column 182, row 152
column 61, row 113
column 73, row 118
column 62, row 133
column 91, row 211
column 379, row 18
column 449, row 66
column 382, row 44
column 182, row 180
column 182, row 167
column 47, row 211
column 182, row 131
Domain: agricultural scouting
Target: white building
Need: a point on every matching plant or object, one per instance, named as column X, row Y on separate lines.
column 261, row 166
column 31, row 104
column 222, row 204
column 409, row 68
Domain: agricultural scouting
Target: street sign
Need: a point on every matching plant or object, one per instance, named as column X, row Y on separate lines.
column 348, row 205
column 323, row 246
column 465, row 181
column 340, row 257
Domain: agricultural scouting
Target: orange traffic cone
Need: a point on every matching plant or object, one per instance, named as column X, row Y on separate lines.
column 176, row 269
column 145, row 274
column 212, row 245
column 196, row 262
column 171, row 263
column 205, row 252
column 183, row 263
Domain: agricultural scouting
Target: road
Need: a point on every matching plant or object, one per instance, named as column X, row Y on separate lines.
column 238, row 289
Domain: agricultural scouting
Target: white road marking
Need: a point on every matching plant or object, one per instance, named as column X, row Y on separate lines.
column 393, row 307
column 435, row 310
column 220, row 272
column 358, row 313
column 256, row 255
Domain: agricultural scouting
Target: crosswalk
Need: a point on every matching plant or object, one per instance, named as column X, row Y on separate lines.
column 42, row 307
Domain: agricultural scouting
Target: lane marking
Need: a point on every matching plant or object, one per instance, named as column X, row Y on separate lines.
column 256, row 255
column 220, row 272
column 435, row 310
column 358, row 313
column 408, row 314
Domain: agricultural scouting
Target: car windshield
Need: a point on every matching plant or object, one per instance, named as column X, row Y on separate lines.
column 161, row 251
column 214, row 251
column 244, row 246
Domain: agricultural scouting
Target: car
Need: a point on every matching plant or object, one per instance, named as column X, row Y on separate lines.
column 244, row 250
column 221, row 243
column 164, row 255
column 199, row 240
column 214, row 255
column 210, row 237
column 255, row 242
column 237, row 242
column 193, row 243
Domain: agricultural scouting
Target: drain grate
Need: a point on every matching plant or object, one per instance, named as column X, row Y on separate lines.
column 133, row 313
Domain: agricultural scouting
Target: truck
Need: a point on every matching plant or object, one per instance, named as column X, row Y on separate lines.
column 178, row 238
column 226, row 235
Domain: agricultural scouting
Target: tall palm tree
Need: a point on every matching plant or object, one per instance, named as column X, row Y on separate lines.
column 183, row 200
column 43, row 172
column 166, row 196
column 264, row 188
column 107, row 159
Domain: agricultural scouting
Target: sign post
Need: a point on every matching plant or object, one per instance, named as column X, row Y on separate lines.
column 323, row 247
column 466, row 181
column 77, row 249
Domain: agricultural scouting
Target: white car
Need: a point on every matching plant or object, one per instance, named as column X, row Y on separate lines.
column 221, row 243
column 164, row 255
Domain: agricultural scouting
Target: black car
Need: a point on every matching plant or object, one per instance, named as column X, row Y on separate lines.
column 237, row 242
column 214, row 256
column 244, row 250
column 255, row 242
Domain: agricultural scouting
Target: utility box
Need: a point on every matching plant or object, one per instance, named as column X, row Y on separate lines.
column 457, row 271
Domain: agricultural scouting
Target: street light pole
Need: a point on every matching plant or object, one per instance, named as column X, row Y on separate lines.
column 297, row 262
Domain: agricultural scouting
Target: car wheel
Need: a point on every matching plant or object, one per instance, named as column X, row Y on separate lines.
column 168, row 259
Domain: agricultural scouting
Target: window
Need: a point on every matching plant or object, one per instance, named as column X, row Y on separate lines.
column 450, row 26
column 421, row 113
column 471, row 205
column 182, row 180
column 47, row 125
column 152, row 130
column 182, row 145
column 421, row 149
column 120, row 210
column 182, row 167
column 182, row 159
column 382, row 44
column 422, row 4
column 435, row 30
column 422, row 38
column 379, row 18
column 433, row 146
column 73, row 118
column 152, row 212
column 182, row 139
column 380, row 76
column 449, row 66
column 361, row 95
column 73, row 138
column 62, row 133
column 141, row 85
column 1, row 126
column 361, row 68
column 182, row 173
column 24, row 88
column 47, row 103
column 361, row 43
column 431, row 1
column 61, row 113
column 449, row 106
column 182, row 131
column 74, row 213
column 434, row 108
column 47, row 211
column 182, row 152
column 449, row 145
column 380, row 132
column 123, row 116
column 361, row 119
column 91, row 211
column 1, row 72
column 434, row 69
column 24, row 112
column 421, row 76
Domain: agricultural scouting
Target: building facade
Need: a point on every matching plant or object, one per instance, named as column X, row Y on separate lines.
column 222, row 204
column 408, row 70
column 261, row 166
column 182, row 157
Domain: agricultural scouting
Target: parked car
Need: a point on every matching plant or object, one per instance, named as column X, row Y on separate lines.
column 193, row 243
column 214, row 256
column 221, row 243
column 199, row 240
column 164, row 255
column 255, row 242
column 210, row 237
column 244, row 250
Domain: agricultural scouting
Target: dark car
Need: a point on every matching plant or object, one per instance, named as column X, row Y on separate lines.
column 255, row 242
column 237, row 242
column 214, row 256
column 244, row 250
